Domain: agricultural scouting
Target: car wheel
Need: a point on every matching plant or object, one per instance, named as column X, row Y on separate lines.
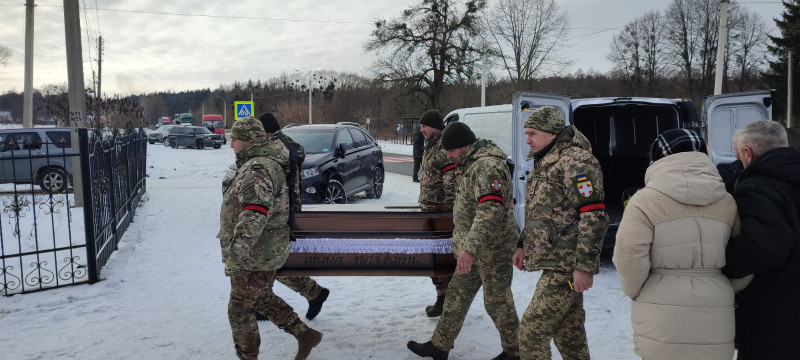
column 334, row 194
column 173, row 143
column 152, row 142
column 217, row 146
column 199, row 145
column 224, row 139
column 377, row 185
column 53, row 180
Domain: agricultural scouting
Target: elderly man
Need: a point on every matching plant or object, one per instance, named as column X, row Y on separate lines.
column 254, row 238
column 768, row 197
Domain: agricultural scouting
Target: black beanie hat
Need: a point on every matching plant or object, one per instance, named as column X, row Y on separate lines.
column 269, row 122
column 432, row 118
column 676, row 141
column 457, row 135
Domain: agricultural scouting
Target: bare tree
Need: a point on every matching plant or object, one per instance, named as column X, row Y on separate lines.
column 682, row 39
column 749, row 47
column 429, row 45
column 637, row 54
column 526, row 36
column 5, row 53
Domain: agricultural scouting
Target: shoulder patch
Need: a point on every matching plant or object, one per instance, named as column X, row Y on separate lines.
column 584, row 185
column 497, row 185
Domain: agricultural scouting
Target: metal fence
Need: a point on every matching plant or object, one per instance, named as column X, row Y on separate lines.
column 44, row 242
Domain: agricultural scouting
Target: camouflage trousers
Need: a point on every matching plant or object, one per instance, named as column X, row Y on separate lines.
column 440, row 283
column 495, row 277
column 555, row 312
column 251, row 291
column 302, row 285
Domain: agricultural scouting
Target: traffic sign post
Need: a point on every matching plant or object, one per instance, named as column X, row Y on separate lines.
column 242, row 109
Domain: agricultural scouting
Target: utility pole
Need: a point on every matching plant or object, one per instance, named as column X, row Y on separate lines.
column 722, row 36
column 27, row 100
column 77, row 91
column 309, row 100
column 100, row 68
column 789, row 94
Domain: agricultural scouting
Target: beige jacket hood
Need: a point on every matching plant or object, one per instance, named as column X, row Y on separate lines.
column 669, row 253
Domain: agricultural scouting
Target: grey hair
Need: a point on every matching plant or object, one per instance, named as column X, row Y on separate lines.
column 735, row 140
column 762, row 136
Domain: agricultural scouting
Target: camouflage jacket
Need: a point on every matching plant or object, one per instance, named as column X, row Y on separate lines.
column 255, row 206
column 565, row 218
column 483, row 212
column 438, row 182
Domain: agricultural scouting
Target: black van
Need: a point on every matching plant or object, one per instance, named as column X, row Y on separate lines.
column 620, row 130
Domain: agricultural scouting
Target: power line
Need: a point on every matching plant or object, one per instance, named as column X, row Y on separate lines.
column 594, row 33
column 223, row 16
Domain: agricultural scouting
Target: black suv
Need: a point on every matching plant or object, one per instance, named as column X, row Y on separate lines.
column 197, row 137
column 341, row 160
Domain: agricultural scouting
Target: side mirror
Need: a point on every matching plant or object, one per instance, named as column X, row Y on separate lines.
column 341, row 149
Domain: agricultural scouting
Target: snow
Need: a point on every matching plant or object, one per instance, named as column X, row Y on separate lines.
column 164, row 294
column 396, row 148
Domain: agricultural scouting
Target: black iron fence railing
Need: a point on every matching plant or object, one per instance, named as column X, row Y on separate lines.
column 44, row 242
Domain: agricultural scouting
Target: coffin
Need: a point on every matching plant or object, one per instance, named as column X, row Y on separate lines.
column 370, row 240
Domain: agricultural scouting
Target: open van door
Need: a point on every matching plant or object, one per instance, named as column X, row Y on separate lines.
column 726, row 113
column 522, row 104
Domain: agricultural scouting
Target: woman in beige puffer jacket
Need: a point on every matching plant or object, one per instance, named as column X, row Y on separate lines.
column 669, row 251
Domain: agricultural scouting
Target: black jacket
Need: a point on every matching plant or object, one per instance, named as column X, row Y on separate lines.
column 419, row 144
column 768, row 311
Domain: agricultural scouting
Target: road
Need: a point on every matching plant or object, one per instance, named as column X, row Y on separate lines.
column 398, row 163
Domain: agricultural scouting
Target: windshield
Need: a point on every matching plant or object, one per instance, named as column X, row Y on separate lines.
column 315, row 141
column 214, row 123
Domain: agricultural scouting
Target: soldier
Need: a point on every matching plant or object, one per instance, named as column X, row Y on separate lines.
column 254, row 238
column 437, row 189
column 563, row 234
column 418, row 141
column 483, row 240
column 303, row 285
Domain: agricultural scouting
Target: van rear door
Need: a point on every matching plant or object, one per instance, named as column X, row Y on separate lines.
column 726, row 113
column 522, row 104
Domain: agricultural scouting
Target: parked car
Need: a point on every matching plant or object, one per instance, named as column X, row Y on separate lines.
column 341, row 160
column 196, row 137
column 158, row 134
column 38, row 157
column 620, row 130
column 184, row 118
column 218, row 123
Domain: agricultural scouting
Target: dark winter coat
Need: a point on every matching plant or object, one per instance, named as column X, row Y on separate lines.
column 419, row 144
column 768, row 312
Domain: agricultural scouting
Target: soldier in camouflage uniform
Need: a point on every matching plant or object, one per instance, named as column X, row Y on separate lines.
column 437, row 188
column 483, row 240
column 254, row 238
column 565, row 221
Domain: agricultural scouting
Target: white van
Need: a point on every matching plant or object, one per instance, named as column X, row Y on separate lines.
column 620, row 130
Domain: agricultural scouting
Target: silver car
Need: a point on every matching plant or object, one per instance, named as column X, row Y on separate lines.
column 39, row 155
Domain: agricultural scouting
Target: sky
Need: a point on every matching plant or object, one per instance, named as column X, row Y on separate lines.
column 146, row 52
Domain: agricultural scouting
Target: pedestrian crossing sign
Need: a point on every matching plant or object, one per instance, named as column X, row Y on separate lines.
column 242, row 109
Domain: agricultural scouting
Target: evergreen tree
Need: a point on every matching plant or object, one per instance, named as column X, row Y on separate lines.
column 776, row 76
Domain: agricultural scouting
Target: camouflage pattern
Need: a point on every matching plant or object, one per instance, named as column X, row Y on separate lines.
column 555, row 312
column 546, row 118
column 251, row 292
column 294, row 172
column 250, row 239
column 564, row 222
column 484, row 226
column 438, row 184
column 248, row 129
column 302, row 285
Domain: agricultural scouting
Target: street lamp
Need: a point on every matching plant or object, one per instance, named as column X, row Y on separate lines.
column 309, row 94
column 224, row 110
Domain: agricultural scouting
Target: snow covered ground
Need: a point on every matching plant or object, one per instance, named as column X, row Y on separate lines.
column 164, row 294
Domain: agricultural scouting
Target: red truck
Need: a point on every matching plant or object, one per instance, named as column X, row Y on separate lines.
column 218, row 123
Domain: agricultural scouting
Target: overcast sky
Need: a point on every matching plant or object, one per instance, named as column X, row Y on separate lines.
column 152, row 52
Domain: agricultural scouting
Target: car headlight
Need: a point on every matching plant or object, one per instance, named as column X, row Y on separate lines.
column 307, row 173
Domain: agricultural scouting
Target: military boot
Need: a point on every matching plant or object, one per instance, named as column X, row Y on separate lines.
column 437, row 308
column 504, row 356
column 427, row 350
column 315, row 304
column 307, row 338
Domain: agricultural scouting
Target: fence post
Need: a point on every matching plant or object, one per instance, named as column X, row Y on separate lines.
column 88, row 206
